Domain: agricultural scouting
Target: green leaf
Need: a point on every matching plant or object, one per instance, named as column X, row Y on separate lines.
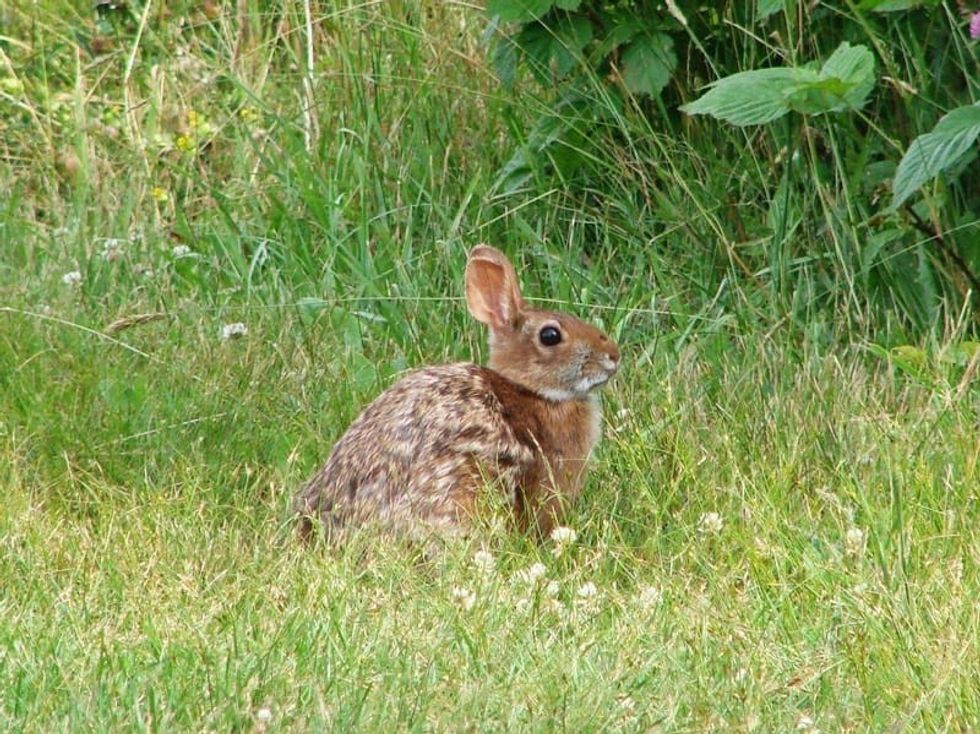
column 620, row 27
column 933, row 152
column 518, row 11
column 568, row 4
column 855, row 67
column 571, row 36
column 890, row 6
column 751, row 97
column 765, row 8
column 814, row 98
column 648, row 63
column 505, row 61
column 760, row 96
column 535, row 41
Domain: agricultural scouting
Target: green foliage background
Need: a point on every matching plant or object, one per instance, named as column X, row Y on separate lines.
column 780, row 529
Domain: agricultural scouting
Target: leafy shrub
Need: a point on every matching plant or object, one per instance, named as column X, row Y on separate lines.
column 813, row 215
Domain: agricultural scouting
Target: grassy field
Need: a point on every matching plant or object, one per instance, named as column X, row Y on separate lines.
column 781, row 528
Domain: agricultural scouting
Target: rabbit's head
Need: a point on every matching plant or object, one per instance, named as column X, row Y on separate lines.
column 554, row 354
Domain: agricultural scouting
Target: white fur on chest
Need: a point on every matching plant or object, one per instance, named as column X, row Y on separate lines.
column 594, row 423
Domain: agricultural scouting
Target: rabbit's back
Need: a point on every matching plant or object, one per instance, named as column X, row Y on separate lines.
column 418, row 454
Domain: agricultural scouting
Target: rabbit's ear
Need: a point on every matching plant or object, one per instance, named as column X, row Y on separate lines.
column 492, row 291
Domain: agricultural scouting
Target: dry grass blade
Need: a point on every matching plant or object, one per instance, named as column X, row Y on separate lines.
column 125, row 322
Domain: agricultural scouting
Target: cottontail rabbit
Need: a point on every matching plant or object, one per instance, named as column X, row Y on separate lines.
column 418, row 458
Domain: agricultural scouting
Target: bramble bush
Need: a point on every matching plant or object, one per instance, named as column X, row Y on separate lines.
column 824, row 153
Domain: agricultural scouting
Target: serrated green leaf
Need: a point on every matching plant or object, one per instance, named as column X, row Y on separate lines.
column 935, row 151
column 518, row 11
column 535, row 42
column 648, row 63
column 570, row 37
column 751, row 97
column 505, row 61
column 765, row 8
column 760, row 96
column 620, row 28
column 814, row 98
column 855, row 67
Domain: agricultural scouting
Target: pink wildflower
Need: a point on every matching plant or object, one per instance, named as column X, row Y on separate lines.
column 975, row 25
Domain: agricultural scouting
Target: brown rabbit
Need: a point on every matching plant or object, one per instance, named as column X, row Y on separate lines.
column 418, row 458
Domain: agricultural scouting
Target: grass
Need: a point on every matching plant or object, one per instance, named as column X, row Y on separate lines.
column 780, row 526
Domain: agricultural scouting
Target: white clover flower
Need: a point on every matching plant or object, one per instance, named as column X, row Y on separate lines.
column 563, row 534
column 112, row 248
column 179, row 251
column 532, row 574
column 854, row 542
column 552, row 589
column 233, row 331
column 563, row 539
column 463, row 598
column 485, row 563
column 588, row 590
column 73, row 277
column 710, row 523
column 264, row 715
column 648, row 597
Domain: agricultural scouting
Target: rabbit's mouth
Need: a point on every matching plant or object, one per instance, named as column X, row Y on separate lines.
column 589, row 383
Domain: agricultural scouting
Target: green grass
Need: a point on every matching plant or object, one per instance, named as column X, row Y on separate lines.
column 149, row 577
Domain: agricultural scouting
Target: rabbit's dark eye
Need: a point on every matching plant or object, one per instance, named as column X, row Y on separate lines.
column 549, row 336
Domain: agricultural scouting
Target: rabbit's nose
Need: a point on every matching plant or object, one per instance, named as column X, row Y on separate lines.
column 613, row 354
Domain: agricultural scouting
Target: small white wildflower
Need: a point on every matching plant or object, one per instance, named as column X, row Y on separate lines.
column 563, row 539
column 264, row 715
column 112, row 248
column 531, row 574
column 806, row 723
column 72, row 277
column 563, row 534
column 485, row 563
column 463, row 598
column 710, row 523
column 587, row 598
column 179, row 251
column 648, row 597
column 233, row 331
column 740, row 675
column 854, row 542
column 552, row 589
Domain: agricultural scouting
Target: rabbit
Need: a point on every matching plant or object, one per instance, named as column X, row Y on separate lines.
column 419, row 457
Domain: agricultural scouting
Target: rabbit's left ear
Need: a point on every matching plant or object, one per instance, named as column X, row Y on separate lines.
column 492, row 291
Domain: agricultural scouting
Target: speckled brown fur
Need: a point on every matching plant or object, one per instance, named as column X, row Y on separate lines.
column 417, row 459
